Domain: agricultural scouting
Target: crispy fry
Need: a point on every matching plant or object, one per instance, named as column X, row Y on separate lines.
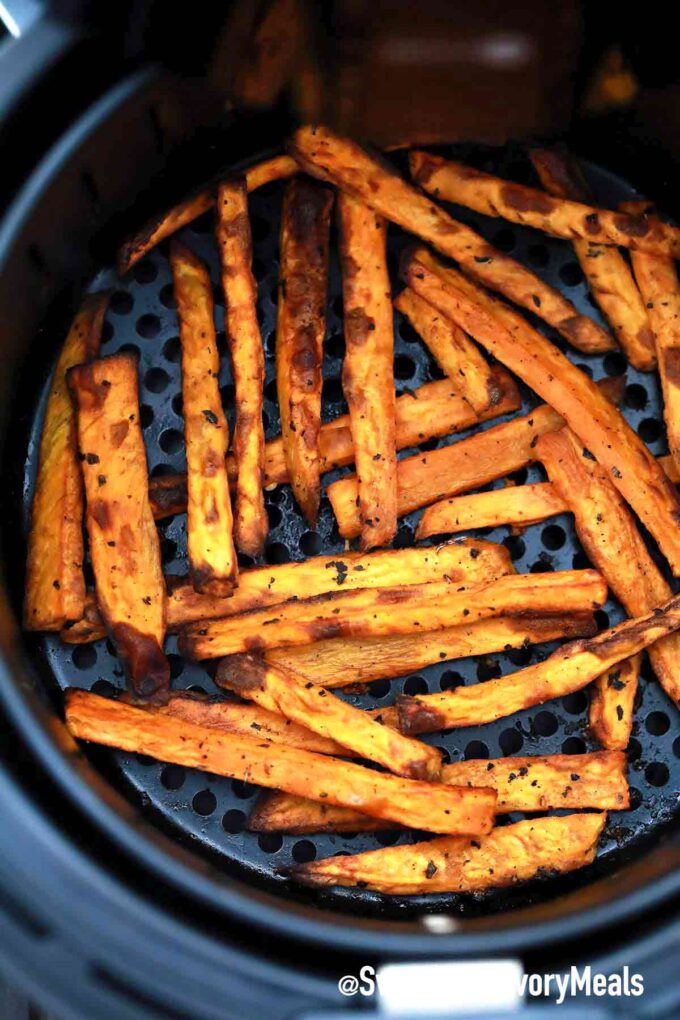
column 612, row 543
column 429, row 806
column 280, row 690
column 249, row 721
column 433, row 410
column 274, row 169
column 403, row 610
column 124, row 544
column 300, row 326
column 599, row 426
column 609, row 277
column 513, row 504
column 452, row 349
column 657, row 279
column 350, row 168
column 368, row 368
column 212, row 557
column 532, row 783
column 456, row 182
column 511, row 854
column 612, row 698
column 55, row 583
column 569, row 669
column 467, row 464
column 247, row 358
column 342, row 662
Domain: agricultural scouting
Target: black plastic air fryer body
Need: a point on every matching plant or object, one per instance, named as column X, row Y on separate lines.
column 130, row 890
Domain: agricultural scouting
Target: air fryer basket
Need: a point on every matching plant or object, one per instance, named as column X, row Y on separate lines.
column 60, row 237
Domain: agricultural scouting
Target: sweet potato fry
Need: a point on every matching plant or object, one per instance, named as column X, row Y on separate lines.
column 609, row 277
column 511, row 854
column 345, row 164
column 55, row 583
column 429, row 806
column 514, row 504
column 569, row 669
column 433, row 410
column 341, row 662
column 469, row 560
column 612, row 698
column 212, row 557
column 368, row 368
column 612, row 542
column 404, row 610
column 281, row 690
column 300, row 326
column 452, row 349
column 247, row 359
column 467, row 464
column 533, row 783
column 249, row 721
column 456, row 182
column 599, row 426
column 657, row 279
column 274, row 169
column 124, row 545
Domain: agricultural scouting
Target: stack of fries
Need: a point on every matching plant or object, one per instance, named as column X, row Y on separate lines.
column 287, row 636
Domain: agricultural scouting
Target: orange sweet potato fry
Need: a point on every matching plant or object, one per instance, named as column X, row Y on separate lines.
column 55, row 583
column 513, row 504
column 433, row 807
column 612, row 699
column 511, row 854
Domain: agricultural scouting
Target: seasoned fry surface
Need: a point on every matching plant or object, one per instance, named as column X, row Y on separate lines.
column 300, row 326
column 368, row 368
column 55, row 583
column 124, row 544
column 513, row 504
column 212, row 557
column 247, row 361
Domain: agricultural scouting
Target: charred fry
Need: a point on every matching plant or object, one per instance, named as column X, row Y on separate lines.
column 55, row 583
column 343, row 163
column 456, row 182
column 124, row 544
column 368, row 368
column 212, row 557
column 513, row 504
column 599, row 426
column 612, row 698
column 614, row 545
column 453, row 350
column 429, row 806
column 157, row 230
column 405, row 610
column 247, row 360
column 569, row 669
column 281, row 690
column 511, row 854
column 609, row 277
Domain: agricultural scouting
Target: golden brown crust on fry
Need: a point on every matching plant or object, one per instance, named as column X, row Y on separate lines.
column 612, row 700
column 247, row 359
column 300, row 326
column 513, row 504
column 429, row 806
column 293, row 696
column 511, row 854
column 368, row 367
column 124, row 544
column 55, row 584
column 275, row 811
column 212, row 557
column 612, row 542
column 344, row 163
column 456, row 182
column 609, row 277
column 404, row 610
column 341, row 662
column 569, row 669
column 599, row 426
column 274, row 169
